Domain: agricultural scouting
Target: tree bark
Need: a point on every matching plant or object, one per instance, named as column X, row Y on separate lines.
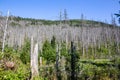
column 4, row 36
column 34, row 60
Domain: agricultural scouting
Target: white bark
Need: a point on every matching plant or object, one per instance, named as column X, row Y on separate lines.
column 4, row 36
column 40, row 61
column 66, row 40
column 34, row 59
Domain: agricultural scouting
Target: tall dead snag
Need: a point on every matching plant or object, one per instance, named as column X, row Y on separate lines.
column 40, row 61
column 5, row 29
column 40, row 58
column 34, row 60
column 66, row 40
column 60, row 18
column 65, row 16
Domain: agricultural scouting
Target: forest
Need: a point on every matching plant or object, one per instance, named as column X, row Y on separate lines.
column 75, row 49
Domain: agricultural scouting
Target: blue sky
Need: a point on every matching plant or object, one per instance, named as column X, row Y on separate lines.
column 99, row 10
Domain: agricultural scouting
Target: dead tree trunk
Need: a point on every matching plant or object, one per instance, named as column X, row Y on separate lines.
column 4, row 36
column 34, row 60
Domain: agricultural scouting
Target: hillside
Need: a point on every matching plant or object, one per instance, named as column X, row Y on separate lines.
column 82, row 48
column 78, row 30
column 19, row 21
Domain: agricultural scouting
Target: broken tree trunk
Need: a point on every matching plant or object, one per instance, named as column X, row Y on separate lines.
column 34, row 60
column 40, row 61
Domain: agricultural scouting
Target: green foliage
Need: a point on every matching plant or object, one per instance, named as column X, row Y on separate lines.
column 48, row 52
column 47, row 22
column 8, row 53
column 64, row 51
column 20, row 71
column 72, row 22
column 103, row 50
column 8, row 49
column 38, row 78
column 10, row 75
column 113, row 48
column 47, row 73
column 33, row 22
column 0, row 44
column 14, row 24
column 89, row 69
column 53, row 42
column 118, row 15
column 25, row 52
column 17, row 18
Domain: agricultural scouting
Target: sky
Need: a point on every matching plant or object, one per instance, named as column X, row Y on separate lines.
column 99, row 10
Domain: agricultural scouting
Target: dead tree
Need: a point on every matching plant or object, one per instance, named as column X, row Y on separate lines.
column 34, row 60
column 65, row 16
column 82, row 20
column 113, row 21
column 5, row 29
column 60, row 18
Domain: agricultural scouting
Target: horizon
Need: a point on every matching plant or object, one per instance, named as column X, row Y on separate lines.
column 97, row 10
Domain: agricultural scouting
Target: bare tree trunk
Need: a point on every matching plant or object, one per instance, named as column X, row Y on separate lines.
column 94, row 46
column 66, row 40
column 60, row 18
column 117, row 41
column 40, row 61
column 83, row 52
column 40, row 47
column 4, row 36
column 34, row 60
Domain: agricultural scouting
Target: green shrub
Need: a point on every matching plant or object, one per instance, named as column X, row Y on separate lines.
column 48, row 52
column 20, row 71
column 39, row 78
column 64, row 51
column 25, row 52
column 14, row 24
column 53, row 42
